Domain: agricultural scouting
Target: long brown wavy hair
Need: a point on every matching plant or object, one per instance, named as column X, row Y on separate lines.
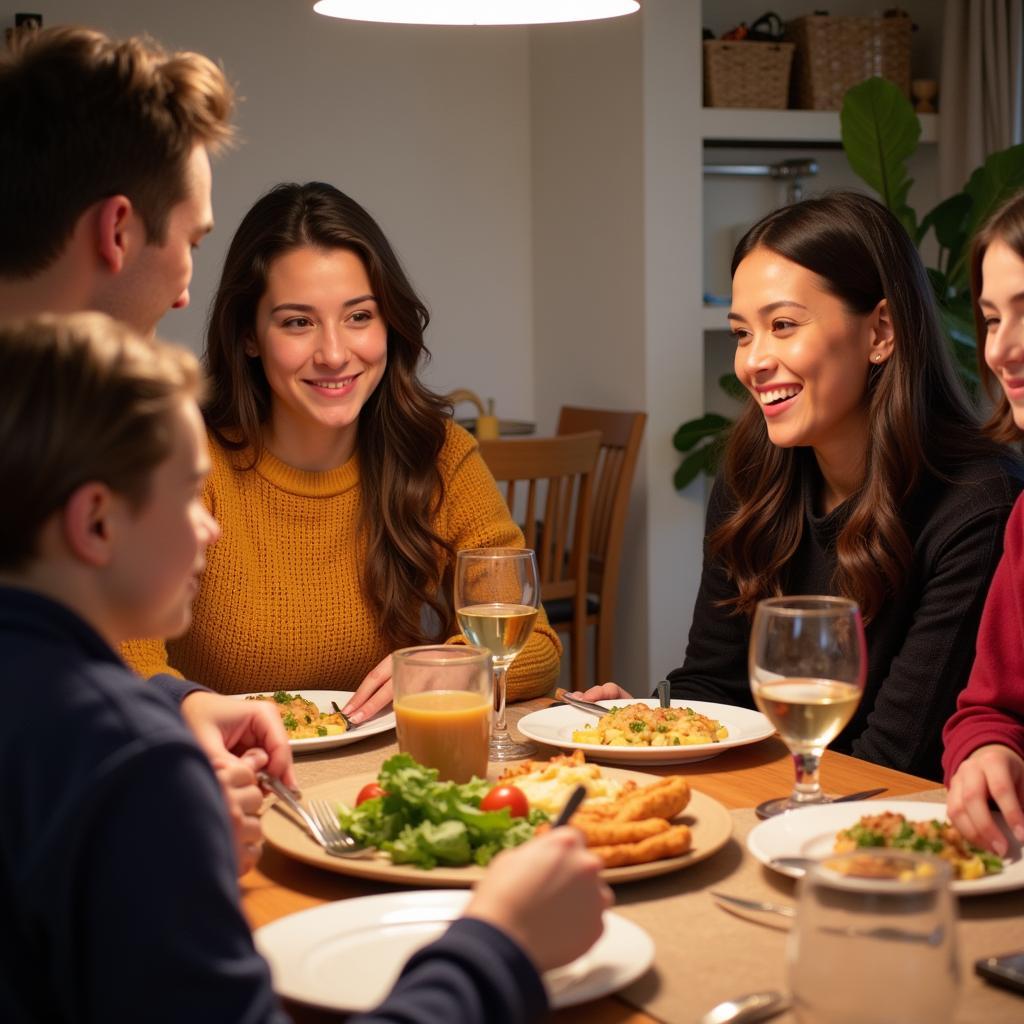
column 1007, row 225
column 919, row 416
column 402, row 426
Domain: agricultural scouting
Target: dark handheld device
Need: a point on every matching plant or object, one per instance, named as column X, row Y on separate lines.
column 1007, row 970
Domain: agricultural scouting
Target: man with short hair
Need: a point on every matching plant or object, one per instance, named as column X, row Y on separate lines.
column 104, row 195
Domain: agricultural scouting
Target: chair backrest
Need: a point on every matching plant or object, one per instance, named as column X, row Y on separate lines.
column 621, row 434
column 547, row 485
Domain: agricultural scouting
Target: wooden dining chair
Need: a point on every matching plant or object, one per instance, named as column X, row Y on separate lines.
column 547, row 483
column 621, row 434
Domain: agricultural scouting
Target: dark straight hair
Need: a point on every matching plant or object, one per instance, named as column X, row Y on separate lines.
column 920, row 418
column 1007, row 225
column 402, row 426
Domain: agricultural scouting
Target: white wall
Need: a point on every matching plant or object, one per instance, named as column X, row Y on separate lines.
column 427, row 127
column 674, row 340
column 588, row 259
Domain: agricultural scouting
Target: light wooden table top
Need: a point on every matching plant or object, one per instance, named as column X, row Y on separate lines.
column 739, row 777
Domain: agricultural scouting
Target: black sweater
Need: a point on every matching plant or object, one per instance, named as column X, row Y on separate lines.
column 920, row 643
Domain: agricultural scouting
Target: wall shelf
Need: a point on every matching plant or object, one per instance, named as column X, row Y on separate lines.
column 779, row 127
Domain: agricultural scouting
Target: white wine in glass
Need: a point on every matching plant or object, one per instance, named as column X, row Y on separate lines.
column 497, row 596
column 808, row 663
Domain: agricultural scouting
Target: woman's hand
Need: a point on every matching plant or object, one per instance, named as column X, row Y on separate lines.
column 991, row 772
column 546, row 895
column 373, row 694
column 607, row 691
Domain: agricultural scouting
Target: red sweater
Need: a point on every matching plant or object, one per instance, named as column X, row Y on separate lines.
column 991, row 707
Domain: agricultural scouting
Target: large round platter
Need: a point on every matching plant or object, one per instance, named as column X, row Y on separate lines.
column 554, row 727
column 347, row 955
column 380, row 722
column 709, row 821
column 811, row 832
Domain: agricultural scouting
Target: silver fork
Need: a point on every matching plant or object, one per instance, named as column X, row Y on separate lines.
column 322, row 827
column 337, row 842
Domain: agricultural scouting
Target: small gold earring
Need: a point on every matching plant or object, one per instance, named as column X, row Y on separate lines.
column 877, row 357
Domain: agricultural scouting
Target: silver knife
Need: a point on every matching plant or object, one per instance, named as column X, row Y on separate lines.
column 863, row 795
column 768, row 908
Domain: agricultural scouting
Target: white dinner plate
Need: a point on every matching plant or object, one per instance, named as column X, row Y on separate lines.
column 555, row 725
column 811, row 832
column 347, row 955
column 381, row 722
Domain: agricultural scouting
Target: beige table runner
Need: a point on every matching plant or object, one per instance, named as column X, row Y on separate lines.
column 706, row 954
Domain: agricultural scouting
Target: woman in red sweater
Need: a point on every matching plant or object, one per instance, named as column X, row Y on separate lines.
column 984, row 740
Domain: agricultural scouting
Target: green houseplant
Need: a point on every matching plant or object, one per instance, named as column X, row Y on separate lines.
column 880, row 132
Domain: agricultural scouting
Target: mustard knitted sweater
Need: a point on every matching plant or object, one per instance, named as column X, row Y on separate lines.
column 280, row 605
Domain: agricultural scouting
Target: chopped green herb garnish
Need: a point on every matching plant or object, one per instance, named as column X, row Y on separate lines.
column 290, row 721
column 321, row 730
column 282, row 696
column 637, row 726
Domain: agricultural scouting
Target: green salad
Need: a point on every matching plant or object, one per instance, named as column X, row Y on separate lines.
column 421, row 821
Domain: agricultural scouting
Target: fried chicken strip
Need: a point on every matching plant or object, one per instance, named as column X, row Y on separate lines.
column 663, row 799
column 672, row 843
column 600, row 833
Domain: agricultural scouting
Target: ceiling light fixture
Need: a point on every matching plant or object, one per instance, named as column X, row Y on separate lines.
column 475, row 12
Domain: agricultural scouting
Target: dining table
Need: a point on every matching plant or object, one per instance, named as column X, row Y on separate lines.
column 704, row 953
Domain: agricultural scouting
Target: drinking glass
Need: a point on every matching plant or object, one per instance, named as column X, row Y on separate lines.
column 497, row 595
column 807, row 663
column 874, row 941
column 442, row 698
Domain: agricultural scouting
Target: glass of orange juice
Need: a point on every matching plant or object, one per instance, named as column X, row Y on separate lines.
column 443, row 707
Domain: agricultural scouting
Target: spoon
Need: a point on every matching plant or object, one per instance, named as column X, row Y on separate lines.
column 755, row 1006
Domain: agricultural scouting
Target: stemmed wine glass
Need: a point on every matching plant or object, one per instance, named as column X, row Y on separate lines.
column 808, row 663
column 497, row 595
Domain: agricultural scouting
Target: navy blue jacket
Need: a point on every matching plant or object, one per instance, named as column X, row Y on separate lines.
column 118, row 892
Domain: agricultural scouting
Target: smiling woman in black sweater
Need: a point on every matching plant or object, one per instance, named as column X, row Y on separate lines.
column 856, row 468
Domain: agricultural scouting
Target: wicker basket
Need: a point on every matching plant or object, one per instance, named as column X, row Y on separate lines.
column 835, row 53
column 744, row 74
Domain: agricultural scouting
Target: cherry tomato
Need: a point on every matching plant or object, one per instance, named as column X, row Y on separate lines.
column 506, row 796
column 368, row 792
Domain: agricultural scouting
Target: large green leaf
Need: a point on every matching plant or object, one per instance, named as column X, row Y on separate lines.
column 702, row 460
column 709, row 425
column 949, row 220
column 959, row 329
column 989, row 186
column 731, row 385
column 880, row 132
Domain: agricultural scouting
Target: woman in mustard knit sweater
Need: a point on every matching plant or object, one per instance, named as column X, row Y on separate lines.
column 341, row 485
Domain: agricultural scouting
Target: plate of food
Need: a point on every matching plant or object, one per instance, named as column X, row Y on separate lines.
column 423, row 832
column 313, row 724
column 918, row 827
column 347, row 955
column 641, row 732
